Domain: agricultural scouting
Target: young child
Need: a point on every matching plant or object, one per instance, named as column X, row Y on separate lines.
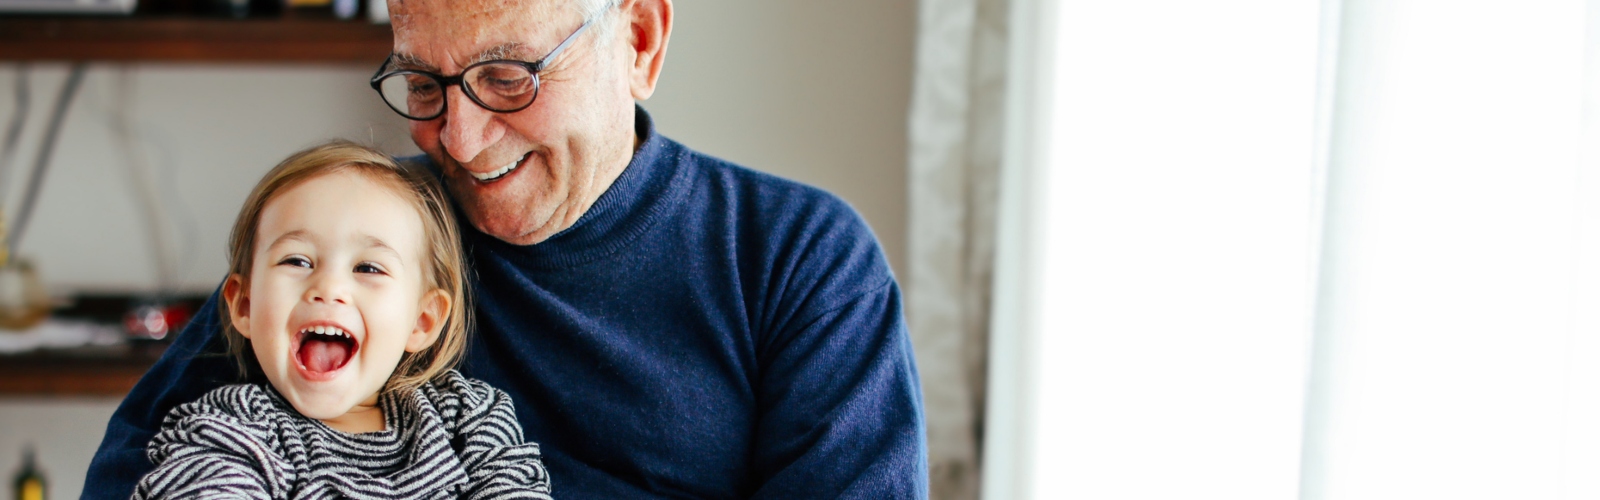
column 346, row 289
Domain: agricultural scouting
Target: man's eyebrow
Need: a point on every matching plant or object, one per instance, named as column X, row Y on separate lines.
column 513, row 50
column 407, row 61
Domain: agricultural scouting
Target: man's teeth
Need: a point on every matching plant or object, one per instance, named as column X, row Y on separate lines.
column 331, row 331
column 500, row 172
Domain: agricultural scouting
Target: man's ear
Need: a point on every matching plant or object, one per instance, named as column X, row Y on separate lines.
column 434, row 312
column 649, row 27
column 238, row 300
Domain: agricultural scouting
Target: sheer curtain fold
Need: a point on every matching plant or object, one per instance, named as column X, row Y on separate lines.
column 1456, row 313
column 955, row 133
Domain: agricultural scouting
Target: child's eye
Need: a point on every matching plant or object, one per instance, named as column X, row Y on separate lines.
column 369, row 268
column 296, row 261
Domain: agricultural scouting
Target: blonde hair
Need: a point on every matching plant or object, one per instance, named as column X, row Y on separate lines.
column 444, row 269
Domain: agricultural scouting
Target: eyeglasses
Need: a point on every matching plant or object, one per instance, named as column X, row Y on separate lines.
column 502, row 86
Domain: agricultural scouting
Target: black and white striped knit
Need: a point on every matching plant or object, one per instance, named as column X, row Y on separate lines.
column 455, row 438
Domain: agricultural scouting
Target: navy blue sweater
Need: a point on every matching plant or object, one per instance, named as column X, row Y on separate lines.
column 703, row 331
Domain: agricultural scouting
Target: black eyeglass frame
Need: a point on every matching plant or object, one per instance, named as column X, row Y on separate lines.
column 459, row 79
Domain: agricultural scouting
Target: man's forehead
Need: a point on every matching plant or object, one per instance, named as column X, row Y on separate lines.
column 516, row 51
column 430, row 33
column 472, row 8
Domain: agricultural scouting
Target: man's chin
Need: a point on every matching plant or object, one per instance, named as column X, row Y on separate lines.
column 516, row 231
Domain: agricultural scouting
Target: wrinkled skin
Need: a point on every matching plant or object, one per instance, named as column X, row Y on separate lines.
column 576, row 138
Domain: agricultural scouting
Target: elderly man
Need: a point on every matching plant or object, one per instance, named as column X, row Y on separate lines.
column 668, row 324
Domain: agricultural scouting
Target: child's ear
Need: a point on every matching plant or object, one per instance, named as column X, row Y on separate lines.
column 238, row 299
column 434, row 311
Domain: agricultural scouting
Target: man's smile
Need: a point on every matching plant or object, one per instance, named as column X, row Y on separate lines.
column 500, row 172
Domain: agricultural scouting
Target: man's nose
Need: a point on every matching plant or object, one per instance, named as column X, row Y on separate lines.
column 468, row 129
column 328, row 287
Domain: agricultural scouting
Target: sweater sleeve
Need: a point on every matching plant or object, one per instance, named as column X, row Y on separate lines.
column 203, row 475
column 182, row 374
column 214, row 448
column 839, row 401
column 498, row 463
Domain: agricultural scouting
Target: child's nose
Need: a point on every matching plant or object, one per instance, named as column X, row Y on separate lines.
column 328, row 288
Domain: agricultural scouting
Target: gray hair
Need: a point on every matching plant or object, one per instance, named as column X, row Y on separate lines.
column 595, row 8
column 599, row 11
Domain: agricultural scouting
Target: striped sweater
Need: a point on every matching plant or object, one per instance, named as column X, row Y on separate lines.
column 452, row 438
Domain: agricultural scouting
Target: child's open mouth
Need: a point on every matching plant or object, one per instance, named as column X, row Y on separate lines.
column 324, row 349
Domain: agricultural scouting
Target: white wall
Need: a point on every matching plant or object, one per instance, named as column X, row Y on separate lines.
column 815, row 91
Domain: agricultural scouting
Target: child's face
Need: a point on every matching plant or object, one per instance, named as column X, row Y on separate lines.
column 338, row 253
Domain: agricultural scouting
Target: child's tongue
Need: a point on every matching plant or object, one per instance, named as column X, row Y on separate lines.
column 321, row 356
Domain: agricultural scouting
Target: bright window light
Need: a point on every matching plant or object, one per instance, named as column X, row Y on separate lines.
column 1177, row 277
column 1446, row 309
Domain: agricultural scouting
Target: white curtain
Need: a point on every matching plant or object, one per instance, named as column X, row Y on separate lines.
column 954, row 159
column 1326, row 249
column 1454, row 335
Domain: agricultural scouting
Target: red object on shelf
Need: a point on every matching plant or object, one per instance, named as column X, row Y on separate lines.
column 155, row 322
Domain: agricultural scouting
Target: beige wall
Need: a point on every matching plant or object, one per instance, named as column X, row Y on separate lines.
column 815, row 91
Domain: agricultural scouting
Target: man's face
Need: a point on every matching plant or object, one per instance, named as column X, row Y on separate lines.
column 562, row 152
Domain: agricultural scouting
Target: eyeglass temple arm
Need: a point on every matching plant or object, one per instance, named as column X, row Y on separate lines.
column 545, row 61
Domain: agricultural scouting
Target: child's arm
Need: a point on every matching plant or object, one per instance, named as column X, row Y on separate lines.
column 203, row 476
column 489, row 439
column 513, row 471
column 214, row 447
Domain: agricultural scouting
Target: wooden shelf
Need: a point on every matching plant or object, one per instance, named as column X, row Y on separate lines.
column 84, row 372
column 177, row 39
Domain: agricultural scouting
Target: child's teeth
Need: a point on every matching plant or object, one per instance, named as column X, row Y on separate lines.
column 327, row 330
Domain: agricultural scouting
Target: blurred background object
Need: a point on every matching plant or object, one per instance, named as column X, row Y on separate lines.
column 29, row 482
column 23, row 301
column 60, row 7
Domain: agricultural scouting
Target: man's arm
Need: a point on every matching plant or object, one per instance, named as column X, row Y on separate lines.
column 840, row 406
column 194, row 364
column 843, row 410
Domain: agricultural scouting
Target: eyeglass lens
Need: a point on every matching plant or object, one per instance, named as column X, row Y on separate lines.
column 500, row 87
